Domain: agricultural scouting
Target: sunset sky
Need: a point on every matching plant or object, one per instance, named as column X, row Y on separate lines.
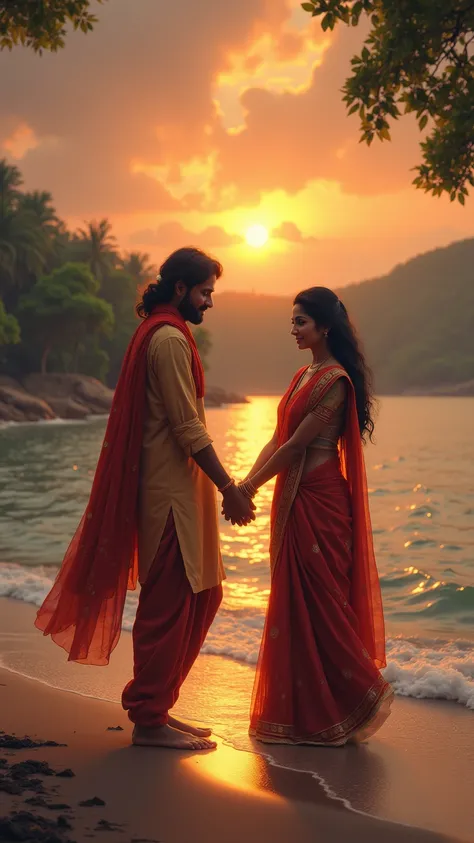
column 210, row 122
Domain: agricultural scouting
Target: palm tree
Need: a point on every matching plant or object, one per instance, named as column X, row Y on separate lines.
column 39, row 202
column 10, row 180
column 137, row 264
column 23, row 245
column 24, row 241
column 98, row 247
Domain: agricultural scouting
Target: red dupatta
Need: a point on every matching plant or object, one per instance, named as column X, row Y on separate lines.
column 366, row 598
column 83, row 611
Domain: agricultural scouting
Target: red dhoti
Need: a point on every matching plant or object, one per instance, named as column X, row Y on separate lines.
column 170, row 628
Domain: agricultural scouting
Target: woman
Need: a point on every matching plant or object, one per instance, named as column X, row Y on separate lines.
column 318, row 679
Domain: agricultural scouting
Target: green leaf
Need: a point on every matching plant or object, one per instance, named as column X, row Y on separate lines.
column 308, row 7
column 461, row 198
column 423, row 122
column 326, row 22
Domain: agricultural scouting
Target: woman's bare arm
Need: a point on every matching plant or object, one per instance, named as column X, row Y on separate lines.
column 306, row 432
column 265, row 454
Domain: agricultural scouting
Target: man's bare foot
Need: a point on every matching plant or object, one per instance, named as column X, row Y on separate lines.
column 188, row 728
column 168, row 737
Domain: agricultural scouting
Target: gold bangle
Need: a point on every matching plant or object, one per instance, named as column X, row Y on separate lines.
column 248, row 489
column 253, row 489
column 227, row 486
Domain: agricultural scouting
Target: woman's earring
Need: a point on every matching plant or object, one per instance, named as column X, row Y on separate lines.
column 325, row 334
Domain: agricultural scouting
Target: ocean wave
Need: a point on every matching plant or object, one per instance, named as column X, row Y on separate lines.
column 426, row 596
column 417, row 667
column 32, row 584
column 431, row 669
column 46, row 422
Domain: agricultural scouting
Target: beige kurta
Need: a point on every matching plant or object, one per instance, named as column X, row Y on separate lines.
column 174, row 429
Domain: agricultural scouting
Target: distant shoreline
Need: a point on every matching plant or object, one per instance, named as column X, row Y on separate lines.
column 78, row 397
column 464, row 389
column 42, row 398
column 461, row 390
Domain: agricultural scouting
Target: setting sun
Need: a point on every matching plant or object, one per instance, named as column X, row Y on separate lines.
column 256, row 236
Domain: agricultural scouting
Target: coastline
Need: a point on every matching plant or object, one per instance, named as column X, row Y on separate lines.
column 49, row 397
column 164, row 795
column 400, row 786
column 55, row 398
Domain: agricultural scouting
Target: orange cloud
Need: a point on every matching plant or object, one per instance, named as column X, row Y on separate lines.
column 21, row 140
column 140, row 87
column 171, row 235
column 290, row 46
column 257, row 108
column 289, row 231
column 293, row 138
column 218, row 116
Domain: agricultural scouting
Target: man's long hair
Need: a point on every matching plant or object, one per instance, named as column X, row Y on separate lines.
column 190, row 265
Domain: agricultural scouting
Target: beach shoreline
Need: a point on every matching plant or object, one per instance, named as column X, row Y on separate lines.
column 400, row 785
column 163, row 795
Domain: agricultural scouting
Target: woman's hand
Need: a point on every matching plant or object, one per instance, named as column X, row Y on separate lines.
column 237, row 508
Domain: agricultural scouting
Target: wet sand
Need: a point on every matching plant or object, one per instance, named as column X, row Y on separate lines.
column 419, row 770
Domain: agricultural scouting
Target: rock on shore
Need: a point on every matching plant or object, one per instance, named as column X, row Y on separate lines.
column 216, row 397
column 45, row 397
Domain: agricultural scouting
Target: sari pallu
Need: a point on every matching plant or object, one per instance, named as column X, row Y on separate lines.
column 318, row 678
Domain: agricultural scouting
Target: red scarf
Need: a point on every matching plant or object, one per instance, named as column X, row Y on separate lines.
column 83, row 611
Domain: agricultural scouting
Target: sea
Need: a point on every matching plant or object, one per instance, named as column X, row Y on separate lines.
column 421, row 486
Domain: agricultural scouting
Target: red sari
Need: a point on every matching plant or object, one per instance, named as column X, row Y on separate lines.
column 318, row 679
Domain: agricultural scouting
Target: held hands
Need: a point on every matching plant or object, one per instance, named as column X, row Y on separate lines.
column 236, row 507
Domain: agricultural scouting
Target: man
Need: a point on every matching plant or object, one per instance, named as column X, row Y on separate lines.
column 152, row 514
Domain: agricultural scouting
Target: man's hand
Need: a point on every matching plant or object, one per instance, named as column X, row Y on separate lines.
column 237, row 508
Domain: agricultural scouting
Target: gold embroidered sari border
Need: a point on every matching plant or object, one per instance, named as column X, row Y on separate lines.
column 336, row 735
column 295, row 472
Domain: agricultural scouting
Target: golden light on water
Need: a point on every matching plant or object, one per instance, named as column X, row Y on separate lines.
column 244, row 771
column 248, row 428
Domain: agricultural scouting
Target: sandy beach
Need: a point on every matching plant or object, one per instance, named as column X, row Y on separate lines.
column 412, row 782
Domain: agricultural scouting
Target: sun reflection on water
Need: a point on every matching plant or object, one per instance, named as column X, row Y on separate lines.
column 243, row 771
column 245, row 551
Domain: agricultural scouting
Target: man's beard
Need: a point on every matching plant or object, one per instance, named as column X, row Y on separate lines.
column 189, row 312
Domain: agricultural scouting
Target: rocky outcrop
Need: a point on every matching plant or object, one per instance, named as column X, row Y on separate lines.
column 217, row 397
column 70, row 396
column 45, row 397
column 16, row 404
